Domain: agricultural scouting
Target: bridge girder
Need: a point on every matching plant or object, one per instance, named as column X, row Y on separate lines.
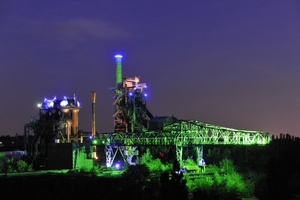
column 183, row 133
column 188, row 132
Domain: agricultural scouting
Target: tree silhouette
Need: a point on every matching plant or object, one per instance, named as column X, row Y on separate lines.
column 173, row 185
column 138, row 184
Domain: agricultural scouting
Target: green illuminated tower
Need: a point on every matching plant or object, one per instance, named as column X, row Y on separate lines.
column 118, row 68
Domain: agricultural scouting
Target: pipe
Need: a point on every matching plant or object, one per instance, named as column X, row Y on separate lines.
column 66, row 116
column 68, row 130
column 94, row 148
column 93, row 95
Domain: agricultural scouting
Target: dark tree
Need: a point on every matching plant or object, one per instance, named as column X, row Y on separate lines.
column 173, row 185
column 138, row 184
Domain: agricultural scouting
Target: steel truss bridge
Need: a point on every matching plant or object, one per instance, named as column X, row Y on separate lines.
column 134, row 126
column 181, row 133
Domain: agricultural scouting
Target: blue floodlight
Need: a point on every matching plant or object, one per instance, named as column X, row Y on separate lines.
column 118, row 165
column 118, row 56
column 63, row 103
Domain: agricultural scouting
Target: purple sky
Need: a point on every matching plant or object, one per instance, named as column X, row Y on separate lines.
column 229, row 63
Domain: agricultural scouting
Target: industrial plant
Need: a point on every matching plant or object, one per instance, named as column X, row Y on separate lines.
column 57, row 142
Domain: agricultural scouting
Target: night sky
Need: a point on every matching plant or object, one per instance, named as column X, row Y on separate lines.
column 229, row 63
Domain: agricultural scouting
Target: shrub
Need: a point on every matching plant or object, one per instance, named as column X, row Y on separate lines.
column 22, row 166
column 154, row 164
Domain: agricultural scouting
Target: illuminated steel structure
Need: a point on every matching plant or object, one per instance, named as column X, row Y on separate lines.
column 131, row 113
column 135, row 126
column 57, row 123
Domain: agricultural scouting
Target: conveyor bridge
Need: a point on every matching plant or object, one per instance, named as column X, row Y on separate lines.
column 180, row 134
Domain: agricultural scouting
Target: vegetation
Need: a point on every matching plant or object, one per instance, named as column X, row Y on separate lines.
column 269, row 172
column 13, row 163
column 154, row 165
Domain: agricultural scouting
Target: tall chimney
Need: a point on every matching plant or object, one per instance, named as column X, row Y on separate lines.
column 93, row 95
column 118, row 68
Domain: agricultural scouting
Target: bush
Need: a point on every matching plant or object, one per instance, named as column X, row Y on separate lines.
column 13, row 163
column 154, row 164
column 227, row 166
column 22, row 166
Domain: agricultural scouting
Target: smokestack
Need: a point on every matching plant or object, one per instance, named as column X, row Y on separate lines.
column 118, row 68
column 93, row 95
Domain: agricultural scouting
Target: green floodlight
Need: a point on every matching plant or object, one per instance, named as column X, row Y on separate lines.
column 95, row 141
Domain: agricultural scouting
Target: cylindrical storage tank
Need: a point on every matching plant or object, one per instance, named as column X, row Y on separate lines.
column 74, row 120
column 65, row 113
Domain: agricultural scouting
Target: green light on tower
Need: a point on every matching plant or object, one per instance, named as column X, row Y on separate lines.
column 118, row 68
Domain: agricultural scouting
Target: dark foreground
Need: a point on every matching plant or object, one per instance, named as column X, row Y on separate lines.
column 58, row 187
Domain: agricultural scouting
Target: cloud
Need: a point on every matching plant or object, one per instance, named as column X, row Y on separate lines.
column 68, row 33
column 79, row 28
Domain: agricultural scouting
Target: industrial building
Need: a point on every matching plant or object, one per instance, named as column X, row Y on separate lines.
column 58, row 143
